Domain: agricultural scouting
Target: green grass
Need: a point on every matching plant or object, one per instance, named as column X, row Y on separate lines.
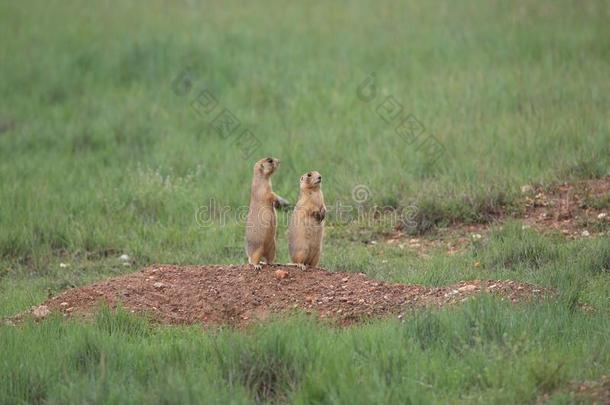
column 484, row 352
column 99, row 156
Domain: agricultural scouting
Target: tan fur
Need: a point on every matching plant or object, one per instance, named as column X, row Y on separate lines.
column 306, row 228
column 261, row 222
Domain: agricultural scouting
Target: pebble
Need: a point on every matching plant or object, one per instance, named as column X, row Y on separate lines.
column 468, row 287
column 526, row 189
column 41, row 311
column 585, row 233
column 158, row 284
column 281, row 274
column 124, row 258
column 602, row 215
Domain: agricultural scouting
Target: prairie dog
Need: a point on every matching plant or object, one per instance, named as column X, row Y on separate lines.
column 261, row 222
column 306, row 228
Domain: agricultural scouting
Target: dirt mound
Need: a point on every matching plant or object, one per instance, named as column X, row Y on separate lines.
column 577, row 210
column 595, row 392
column 239, row 295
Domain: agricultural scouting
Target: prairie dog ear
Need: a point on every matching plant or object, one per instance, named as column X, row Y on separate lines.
column 301, row 178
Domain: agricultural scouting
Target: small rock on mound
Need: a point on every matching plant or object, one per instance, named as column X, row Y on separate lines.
column 238, row 294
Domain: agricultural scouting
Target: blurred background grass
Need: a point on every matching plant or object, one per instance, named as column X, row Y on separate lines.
column 99, row 156
column 97, row 152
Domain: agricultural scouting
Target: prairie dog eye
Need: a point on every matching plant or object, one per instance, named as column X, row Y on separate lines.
column 269, row 160
column 308, row 174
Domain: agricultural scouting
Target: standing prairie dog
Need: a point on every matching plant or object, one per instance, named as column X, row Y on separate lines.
column 306, row 228
column 261, row 222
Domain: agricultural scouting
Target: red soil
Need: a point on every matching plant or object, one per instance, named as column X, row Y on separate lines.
column 238, row 295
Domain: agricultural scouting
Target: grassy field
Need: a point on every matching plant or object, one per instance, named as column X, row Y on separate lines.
column 108, row 146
